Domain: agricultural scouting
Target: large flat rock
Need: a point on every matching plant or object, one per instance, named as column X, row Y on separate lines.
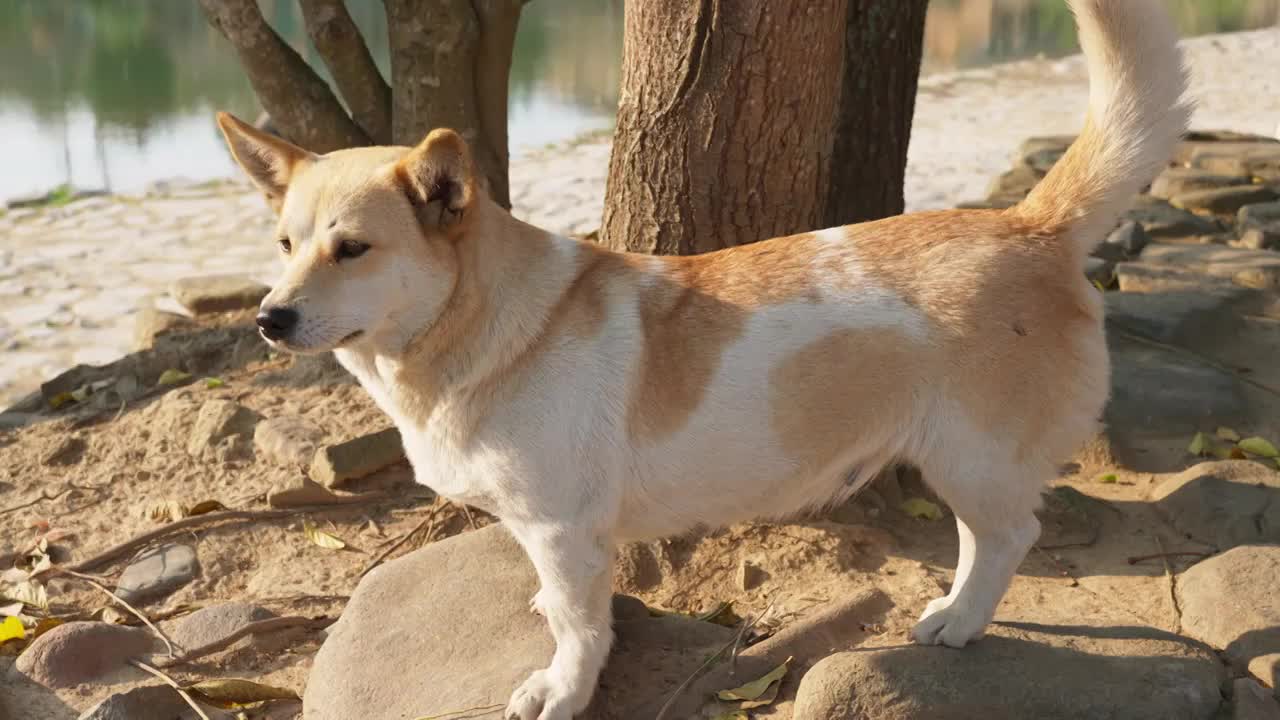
column 1223, row 504
column 1232, row 602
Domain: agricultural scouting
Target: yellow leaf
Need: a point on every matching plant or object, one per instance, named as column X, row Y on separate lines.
column 11, row 629
column 1108, row 479
column 1223, row 453
column 1200, row 445
column 322, row 538
column 213, row 382
column 921, row 509
column 756, row 689
column 1099, row 285
column 172, row 376
column 1258, row 446
column 61, row 399
column 1226, row 433
column 205, row 506
column 228, row 693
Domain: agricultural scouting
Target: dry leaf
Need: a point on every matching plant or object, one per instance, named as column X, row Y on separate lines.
column 755, row 691
column 205, row 506
column 1226, row 433
column 111, row 616
column 228, row 693
column 44, row 625
column 172, row 376
column 213, row 382
column 1200, row 445
column 322, row 538
column 921, row 509
column 735, row 715
column 12, row 629
column 1108, row 479
column 166, row 511
column 1236, row 453
column 1258, row 446
column 12, row 610
column 29, row 592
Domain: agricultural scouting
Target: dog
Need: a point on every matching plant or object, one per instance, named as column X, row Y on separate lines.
column 588, row 397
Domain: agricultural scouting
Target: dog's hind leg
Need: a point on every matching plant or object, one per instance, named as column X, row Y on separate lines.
column 574, row 567
column 996, row 522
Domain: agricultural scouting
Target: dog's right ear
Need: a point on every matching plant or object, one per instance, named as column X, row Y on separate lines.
column 269, row 161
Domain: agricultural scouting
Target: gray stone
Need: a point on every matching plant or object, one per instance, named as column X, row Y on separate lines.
column 1016, row 182
column 1034, row 145
column 149, row 702
column 1259, row 225
column 217, row 421
column 1099, row 270
column 151, row 323
column 1223, row 200
column 1232, row 602
column 1162, row 220
column 1129, row 237
column 367, row 454
column 1251, row 701
column 403, row 651
column 1020, row 671
column 218, row 293
column 1043, row 160
column 751, row 574
column 1141, row 277
column 1175, row 181
column 215, row 623
column 1224, row 504
column 157, row 572
column 79, row 652
column 1247, row 268
column 287, row 441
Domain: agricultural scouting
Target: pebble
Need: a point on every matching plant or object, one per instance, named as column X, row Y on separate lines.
column 367, row 454
column 1224, row 504
column 149, row 702
column 218, row 293
column 1225, row 200
column 215, row 623
column 79, row 652
column 157, row 572
column 287, row 441
column 216, row 421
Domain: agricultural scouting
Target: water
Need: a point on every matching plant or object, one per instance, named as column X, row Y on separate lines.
column 117, row 94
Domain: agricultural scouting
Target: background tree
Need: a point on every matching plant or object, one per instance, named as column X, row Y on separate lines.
column 741, row 120
column 450, row 62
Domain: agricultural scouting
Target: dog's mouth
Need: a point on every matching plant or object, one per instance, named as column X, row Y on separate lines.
column 286, row 345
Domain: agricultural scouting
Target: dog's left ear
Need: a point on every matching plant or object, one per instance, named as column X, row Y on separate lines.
column 439, row 179
column 268, row 160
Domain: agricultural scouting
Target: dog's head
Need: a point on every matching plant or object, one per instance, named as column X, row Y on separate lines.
column 366, row 236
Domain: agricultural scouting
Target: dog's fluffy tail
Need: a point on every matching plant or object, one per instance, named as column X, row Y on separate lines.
column 1137, row 113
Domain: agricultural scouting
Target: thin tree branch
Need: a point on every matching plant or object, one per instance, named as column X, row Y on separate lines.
column 136, row 612
column 254, row 628
column 347, row 56
column 173, row 684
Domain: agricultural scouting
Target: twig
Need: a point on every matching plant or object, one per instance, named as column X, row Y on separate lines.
column 136, row 612
column 173, row 684
column 737, row 638
column 737, row 642
column 1173, row 583
column 43, row 497
column 430, row 518
column 254, row 628
column 1134, row 560
column 471, row 519
column 1062, row 569
column 112, row 553
column 459, row 714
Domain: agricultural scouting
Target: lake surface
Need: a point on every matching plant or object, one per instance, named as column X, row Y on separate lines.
column 116, row 94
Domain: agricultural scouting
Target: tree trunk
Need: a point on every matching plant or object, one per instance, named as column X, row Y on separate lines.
column 732, row 112
column 450, row 62
column 339, row 42
column 300, row 103
column 884, row 40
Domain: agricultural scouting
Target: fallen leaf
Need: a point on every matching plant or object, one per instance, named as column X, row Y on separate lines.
column 1237, row 454
column 735, row 715
column 322, row 538
column 205, row 506
column 229, row 693
column 1200, row 445
column 12, row 610
column 754, row 691
column 1223, row 453
column 1098, row 284
column 1226, row 433
column 1258, row 446
column 172, row 376
column 11, row 629
column 213, row 382
column 1108, row 479
column 44, row 625
column 62, row 398
column 29, row 592
column 111, row 616
column 166, row 511
column 921, row 509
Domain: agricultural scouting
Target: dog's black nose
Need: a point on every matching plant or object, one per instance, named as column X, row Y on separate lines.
column 277, row 322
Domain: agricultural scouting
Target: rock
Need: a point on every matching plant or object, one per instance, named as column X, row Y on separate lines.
column 1232, row 602
column 1247, row 268
column 1259, row 226
column 1162, row 220
column 1251, row 701
column 992, row 203
column 1207, row 136
column 78, row 652
column 1225, row 503
column 214, row 623
column 1020, row 671
column 68, row 452
column 287, row 441
column 336, row 464
column 1224, row 200
column 1099, row 271
column 1175, row 181
column 1129, row 237
column 218, row 420
column 157, row 572
column 149, row 702
column 1043, row 160
column 1014, row 183
column 1034, row 145
column 401, row 651
column 72, row 379
column 298, row 492
column 152, row 323
column 218, row 293
column 1141, row 277
column 750, row 574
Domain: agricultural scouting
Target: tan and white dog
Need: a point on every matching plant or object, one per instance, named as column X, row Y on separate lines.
column 587, row 397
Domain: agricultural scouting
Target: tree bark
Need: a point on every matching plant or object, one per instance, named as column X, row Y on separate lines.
column 339, row 42
column 450, row 62
column 300, row 104
column 883, row 43
column 735, row 117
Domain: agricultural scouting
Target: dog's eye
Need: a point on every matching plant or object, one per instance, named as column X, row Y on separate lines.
column 285, row 245
column 348, row 249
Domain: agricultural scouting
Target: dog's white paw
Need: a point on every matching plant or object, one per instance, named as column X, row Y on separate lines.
column 541, row 697
column 945, row 622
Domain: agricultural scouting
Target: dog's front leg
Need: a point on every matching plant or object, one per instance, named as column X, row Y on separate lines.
column 574, row 566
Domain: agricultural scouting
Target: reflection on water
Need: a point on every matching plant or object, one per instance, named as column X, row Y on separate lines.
column 119, row 93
